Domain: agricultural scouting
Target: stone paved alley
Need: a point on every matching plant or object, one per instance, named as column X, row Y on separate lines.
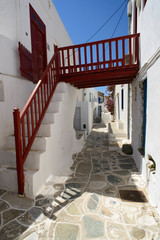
column 103, row 197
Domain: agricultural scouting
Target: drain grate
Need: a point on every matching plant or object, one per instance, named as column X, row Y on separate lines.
column 133, row 196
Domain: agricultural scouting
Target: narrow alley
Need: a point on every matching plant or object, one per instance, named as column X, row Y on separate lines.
column 101, row 196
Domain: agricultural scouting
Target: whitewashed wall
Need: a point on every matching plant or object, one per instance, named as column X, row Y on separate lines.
column 148, row 26
column 15, row 27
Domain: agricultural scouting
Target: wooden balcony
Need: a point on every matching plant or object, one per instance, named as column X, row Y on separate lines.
column 107, row 62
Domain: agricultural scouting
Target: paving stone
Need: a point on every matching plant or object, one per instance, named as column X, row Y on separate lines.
column 11, row 231
column 74, row 185
column 146, row 220
column 11, row 214
column 96, row 185
column 32, row 236
column 111, row 215
column 116, row 180
column 58, row 187
column 122, row 172
column 126, row 166
column 18, row 202
column 93, row 202
column 68, row 194
column 93, row 227
column 2, row 192
column 116, row 231
column 73, row 210
column 96, row 170
column 84, row 168
column 129, row 218
column 66, row 231
column 79, row 178
column 138, row 233
column 97, row 178
column 42, row 202
column 31, row 216
column 3, row 206
column 94, row 153
column 111, row 191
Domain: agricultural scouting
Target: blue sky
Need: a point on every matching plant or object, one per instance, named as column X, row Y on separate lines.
column 82, row 18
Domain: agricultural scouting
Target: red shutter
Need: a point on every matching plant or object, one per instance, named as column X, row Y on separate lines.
column 25, row 62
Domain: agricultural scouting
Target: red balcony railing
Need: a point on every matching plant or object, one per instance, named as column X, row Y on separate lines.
column 28, row 121
column 115, row 53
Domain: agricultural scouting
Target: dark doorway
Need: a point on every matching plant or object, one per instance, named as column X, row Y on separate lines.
column 38, row 41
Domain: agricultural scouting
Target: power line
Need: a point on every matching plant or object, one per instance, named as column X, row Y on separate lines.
column 119, row 20
column 107, row 21
column 116, row 25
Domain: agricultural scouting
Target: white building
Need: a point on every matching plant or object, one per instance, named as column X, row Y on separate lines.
column 86, row 109
column 37, row 26
column 141, row 120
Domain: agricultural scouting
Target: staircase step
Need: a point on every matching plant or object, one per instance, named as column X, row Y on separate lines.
column 38, row 144
column 8, row 158
column 57, row 96
column 60, row 88
column 8, row 178
column 54, row 107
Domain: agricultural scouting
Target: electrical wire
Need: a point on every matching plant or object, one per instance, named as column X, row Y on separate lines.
column 116, row 26
column 106, row 21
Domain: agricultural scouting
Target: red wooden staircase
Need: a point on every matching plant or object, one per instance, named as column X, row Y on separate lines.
column 107, row 62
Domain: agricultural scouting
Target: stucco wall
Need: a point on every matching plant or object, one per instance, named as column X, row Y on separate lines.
column 15, row 27
column 16, row 93
column 148, row 26
column 153, row 129
column 15, row 24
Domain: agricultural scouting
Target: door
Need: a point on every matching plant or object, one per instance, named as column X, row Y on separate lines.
column 38, row 41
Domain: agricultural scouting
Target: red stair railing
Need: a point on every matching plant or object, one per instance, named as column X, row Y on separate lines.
column 28, row 121
column 115, row 53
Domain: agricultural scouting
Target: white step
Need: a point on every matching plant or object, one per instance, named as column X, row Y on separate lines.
column 8, row 178
column 57, row 97
column 54, row 107
column 60, row 88
column 8, row 158
column 38, row 144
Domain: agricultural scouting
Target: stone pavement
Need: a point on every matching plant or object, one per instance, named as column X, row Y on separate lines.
column 103, row 198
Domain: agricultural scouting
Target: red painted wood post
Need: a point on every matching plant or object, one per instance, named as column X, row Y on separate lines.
column 56, row 52
column 19, row 160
